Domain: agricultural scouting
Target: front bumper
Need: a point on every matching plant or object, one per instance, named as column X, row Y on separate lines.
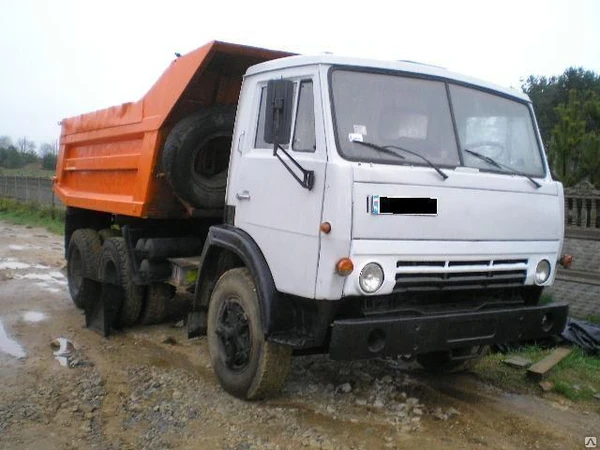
column 392, row 336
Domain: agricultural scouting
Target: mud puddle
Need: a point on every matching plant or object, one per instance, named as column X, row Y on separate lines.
column 10, row 346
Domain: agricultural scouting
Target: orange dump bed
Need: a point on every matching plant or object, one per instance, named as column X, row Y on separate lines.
column 109, row 159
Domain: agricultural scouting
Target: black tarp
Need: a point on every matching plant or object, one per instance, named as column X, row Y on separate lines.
column 583, row 334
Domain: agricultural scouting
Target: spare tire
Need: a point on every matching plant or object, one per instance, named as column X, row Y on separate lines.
column 195, row 157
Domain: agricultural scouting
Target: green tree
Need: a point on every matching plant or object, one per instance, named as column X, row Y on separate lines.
column 49, row 155
column 574, row 147
column 547, row 93
column 568, row 112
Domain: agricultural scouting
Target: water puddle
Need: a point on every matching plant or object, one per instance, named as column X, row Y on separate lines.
column 10, row 346
column 34, row 316
column 49, row 288
column 16, row 247
column 13, row 264
column 43, row 277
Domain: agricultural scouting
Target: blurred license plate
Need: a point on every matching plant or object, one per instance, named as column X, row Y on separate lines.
column 409, row 206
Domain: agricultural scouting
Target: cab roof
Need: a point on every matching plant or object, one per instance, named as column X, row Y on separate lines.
column 395, row 66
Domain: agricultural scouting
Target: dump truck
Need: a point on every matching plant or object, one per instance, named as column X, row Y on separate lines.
column 314, row 204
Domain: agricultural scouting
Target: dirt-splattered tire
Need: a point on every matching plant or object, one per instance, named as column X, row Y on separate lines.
column 195, row 156
column 83, row 255
column 115, row 270
column 155, row 305
column 107, row 233
column 246, row 364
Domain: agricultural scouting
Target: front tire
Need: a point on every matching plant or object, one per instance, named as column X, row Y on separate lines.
column 246, row 364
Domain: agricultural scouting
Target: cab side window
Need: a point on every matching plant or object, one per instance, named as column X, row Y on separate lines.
column 259, row 141
column 303, row 131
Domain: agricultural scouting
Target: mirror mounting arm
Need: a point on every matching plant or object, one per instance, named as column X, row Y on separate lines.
column 308, row 176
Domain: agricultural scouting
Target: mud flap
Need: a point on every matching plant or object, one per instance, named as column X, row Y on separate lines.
column 101, row 315
column 196, row 324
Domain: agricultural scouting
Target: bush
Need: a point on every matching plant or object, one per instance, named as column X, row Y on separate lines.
column 49, row 161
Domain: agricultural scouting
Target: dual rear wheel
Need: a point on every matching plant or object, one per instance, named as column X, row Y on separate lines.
column 99, row 269
column 247, row 365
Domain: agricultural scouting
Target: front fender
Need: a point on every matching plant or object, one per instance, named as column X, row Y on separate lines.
column 228, row 238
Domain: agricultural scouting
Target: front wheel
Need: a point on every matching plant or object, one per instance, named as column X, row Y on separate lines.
column 246, row 364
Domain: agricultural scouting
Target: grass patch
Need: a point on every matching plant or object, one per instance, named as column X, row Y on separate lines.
column 592, row 318
column 32, row 214
column 30, row 170
column 575, row 377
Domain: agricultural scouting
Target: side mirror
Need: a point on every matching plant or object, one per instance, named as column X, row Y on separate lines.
column 278, row 117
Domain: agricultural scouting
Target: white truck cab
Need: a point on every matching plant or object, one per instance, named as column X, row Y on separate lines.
column 489, row 216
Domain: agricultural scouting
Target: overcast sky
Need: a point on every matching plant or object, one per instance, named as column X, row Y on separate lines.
column 60, row 58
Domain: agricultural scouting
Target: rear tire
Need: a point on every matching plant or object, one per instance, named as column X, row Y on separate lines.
column 115, row 270
column 83, row 255
column 155, row 306
column 195, row 157
column 247, row 365
column 107, row 233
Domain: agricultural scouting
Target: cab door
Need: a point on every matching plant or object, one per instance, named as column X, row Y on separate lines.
column 280, row 214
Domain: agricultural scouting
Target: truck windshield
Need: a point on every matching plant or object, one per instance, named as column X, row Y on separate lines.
column 414, row 113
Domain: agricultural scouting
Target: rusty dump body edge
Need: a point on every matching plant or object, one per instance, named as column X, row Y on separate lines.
column 109, row 159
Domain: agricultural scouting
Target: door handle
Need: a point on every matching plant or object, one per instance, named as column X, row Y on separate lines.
column 244, row 195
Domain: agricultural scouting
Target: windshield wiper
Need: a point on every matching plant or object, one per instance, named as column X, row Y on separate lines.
column 379, row 148
column 493, row 162
column 386, row 149
column 433, row 166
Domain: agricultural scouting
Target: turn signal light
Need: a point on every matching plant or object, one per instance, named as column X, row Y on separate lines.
column 566, row 261
column 344, row 267
column 325, row 227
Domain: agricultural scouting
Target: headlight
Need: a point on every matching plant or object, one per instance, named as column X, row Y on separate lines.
column 371, row 278
column 542, row 272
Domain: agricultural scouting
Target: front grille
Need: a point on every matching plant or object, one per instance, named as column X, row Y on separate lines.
column 459, row 274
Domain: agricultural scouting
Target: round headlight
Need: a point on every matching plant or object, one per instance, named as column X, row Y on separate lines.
column 542, row 272
column 371, row 278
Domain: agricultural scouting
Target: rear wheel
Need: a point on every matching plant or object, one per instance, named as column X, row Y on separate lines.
column 107, row 233
column 246, row 364
column 83, row 255
column 115, row 274
column 155, row 306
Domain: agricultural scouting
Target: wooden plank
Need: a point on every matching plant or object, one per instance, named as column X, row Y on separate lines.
column 540, row 369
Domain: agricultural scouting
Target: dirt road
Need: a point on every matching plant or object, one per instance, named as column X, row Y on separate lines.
column 152, row 388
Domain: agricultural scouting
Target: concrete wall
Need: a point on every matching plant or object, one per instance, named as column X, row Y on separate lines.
column 29, row 189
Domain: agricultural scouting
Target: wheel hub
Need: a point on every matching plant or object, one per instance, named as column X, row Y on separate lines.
column 234, row 335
